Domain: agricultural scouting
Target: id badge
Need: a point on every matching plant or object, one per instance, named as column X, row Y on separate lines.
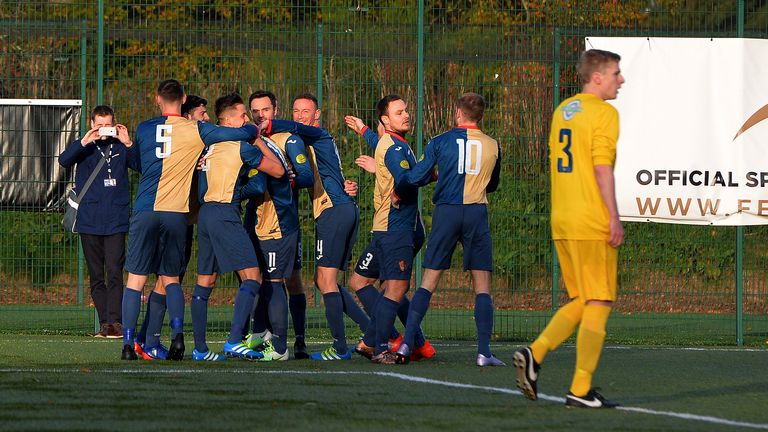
column 110, row 182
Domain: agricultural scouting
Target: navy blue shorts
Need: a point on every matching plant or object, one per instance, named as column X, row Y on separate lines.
column 223, row 243
column 335, row 234
column 368, row 263
column 156, row 242
column 454, row 223
column 395, row 252
column 277, row 256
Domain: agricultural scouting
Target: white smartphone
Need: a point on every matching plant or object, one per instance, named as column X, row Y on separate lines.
column 108, row 131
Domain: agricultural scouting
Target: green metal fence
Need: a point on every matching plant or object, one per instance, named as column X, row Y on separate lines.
column 678, row 284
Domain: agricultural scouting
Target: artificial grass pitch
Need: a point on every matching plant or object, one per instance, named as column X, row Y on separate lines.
column 79, row 383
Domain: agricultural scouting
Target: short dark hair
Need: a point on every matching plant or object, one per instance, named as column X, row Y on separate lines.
column 171, row 90
column 383, row 105
column 102, row 111
column 592, row 61
column 226, row 102
column 191, row 103
column 472, row 105
column 308, row 96
column 258, row 94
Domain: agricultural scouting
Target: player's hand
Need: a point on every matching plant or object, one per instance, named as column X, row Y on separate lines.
column 616, row 232
column 350, row 188
column 122, row 135
column 201, row 163
column 367, row 163
column 91, row 136
column 395, row 201
column 354, row 123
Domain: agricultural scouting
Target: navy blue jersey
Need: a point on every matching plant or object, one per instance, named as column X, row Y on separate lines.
column 276, row 214
column 169, row 148
column 469, row 162
column 370, row 137
column 328, row 190
column 394, row 159
column 226, row 164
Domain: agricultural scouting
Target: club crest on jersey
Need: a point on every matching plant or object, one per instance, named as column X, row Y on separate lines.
column 570, row 110
column 253, row 172
column 300, row 159
column 404, row 164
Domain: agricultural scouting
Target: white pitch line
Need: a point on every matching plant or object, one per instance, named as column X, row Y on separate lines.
column 402, row 377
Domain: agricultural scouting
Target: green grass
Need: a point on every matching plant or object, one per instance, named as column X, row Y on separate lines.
column 50, row 382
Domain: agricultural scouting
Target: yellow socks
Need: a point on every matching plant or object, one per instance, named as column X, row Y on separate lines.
column 560, row 328
column 589, row 346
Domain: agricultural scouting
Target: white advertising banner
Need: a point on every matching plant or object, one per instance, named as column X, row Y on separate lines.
column 693, row 144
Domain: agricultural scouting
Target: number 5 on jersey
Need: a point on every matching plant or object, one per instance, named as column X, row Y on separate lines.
column 163, row 139
column 565, row 165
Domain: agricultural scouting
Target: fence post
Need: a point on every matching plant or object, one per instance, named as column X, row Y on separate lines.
column 419, row 118
column 319, row 91
column 555, row 103
column 100, row 56
column 83, row 129
column 740, row 234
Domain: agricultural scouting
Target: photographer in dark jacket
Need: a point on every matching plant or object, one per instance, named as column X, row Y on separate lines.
column 102, row 217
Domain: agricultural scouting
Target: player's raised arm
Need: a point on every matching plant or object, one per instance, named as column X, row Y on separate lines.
column 211, row 134
column 270, row 163
column 357, row 125
column 297, row 153
column 310, row 134
column 422, row 173
column 397, row 164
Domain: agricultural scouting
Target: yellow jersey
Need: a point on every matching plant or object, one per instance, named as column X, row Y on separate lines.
column 584, row 132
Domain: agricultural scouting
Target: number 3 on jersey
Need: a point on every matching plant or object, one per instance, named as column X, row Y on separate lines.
column 565, row 165
column 163, row 139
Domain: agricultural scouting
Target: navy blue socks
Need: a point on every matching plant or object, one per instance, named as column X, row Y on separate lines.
column 278, row 316
column 243, row 306
column 131, row 308
column 419, row 306
column 484, row 323
column 199, row 307
column 154, row 319
column 352, row 309
column 334, row 313
column 386, row 311
column 175, row 300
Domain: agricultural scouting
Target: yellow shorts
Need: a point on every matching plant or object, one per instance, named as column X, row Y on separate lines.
column 588, row 268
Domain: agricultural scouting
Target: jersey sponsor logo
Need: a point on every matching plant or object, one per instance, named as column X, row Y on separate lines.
column 571, row 109
column 366, row 262
column 398, row 148
column 404, row 164
column 301, row 159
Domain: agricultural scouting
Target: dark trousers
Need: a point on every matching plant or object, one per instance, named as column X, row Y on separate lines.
column 105, row 257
